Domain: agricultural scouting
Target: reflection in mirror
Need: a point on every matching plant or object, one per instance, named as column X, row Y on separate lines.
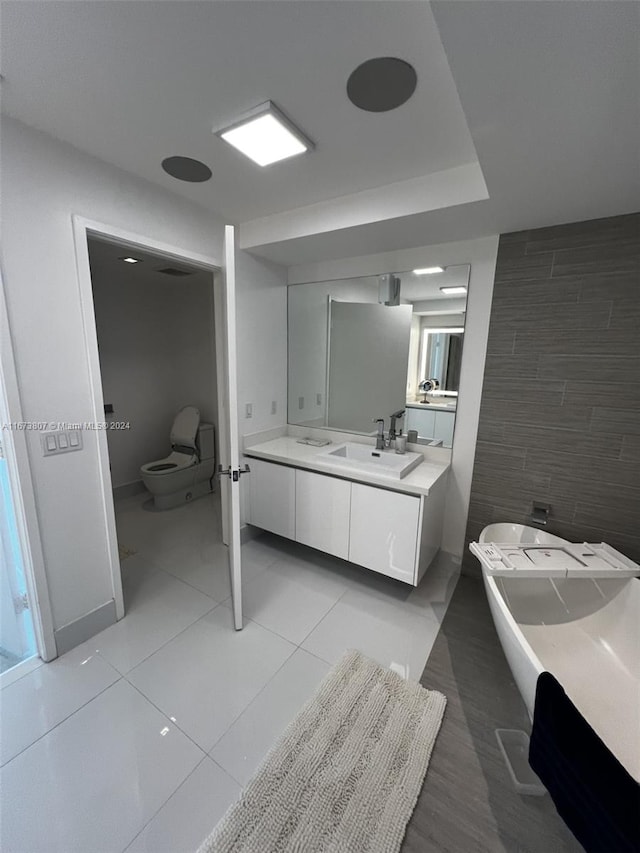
column 365, row 348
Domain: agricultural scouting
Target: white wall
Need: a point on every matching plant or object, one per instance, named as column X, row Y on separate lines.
column 481, row 254
column 44, row 182
column 157, row 354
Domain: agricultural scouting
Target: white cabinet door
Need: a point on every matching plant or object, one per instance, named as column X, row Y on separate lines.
column 322, row 513
column 444, row 427
column 272, row 497
column 384, row 531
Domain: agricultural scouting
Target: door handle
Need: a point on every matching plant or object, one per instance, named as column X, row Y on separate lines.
column 234, row 473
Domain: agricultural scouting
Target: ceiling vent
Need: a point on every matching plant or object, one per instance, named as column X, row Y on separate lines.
column 175, row 271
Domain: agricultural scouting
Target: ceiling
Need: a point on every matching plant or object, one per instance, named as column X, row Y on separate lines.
column 526, row 113
column 135, row 82
column 107, row 264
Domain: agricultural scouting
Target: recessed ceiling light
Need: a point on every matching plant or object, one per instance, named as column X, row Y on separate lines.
column 265, row 135
column 453, row 291
column 130, row 260
column 428, row 270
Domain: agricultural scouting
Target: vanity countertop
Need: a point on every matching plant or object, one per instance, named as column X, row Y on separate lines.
column 443, row 407
column 287, row 451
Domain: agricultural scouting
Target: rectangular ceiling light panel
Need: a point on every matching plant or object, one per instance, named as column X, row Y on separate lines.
column 454, row 290
column 266, row 135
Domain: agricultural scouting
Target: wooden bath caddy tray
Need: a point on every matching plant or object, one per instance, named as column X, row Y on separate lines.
column 586, row 560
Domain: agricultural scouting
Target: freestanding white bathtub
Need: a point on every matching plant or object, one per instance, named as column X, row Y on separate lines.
column 585, row 631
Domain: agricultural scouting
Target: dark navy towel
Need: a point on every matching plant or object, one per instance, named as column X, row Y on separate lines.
column 593, row 793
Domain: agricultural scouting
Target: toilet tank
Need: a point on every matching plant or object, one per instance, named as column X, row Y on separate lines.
column 206, row 441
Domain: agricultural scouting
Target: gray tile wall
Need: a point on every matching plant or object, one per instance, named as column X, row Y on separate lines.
column 560, row 412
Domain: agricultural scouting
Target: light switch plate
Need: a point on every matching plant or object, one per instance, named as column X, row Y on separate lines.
column 61, row 441
column 248, row 410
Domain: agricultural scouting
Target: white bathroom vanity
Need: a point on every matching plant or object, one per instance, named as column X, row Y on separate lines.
column 374, row 519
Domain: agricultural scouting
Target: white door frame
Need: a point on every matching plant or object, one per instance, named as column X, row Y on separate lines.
column 16, row 451
column 83, row 229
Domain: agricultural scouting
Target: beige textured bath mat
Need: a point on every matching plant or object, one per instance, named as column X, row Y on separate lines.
column 346, row 773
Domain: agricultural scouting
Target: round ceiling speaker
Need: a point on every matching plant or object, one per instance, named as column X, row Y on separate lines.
column 381, row 84
column 186, row 169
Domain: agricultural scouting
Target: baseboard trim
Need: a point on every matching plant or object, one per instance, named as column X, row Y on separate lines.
column 128, row 490
column 249, row 532
column 82, row 629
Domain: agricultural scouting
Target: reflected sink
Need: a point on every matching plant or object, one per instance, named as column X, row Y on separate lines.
column 382, row 463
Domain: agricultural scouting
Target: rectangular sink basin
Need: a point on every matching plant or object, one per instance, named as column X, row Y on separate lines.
column 381, row 463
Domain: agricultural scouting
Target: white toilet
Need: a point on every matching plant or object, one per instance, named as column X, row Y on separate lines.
column 187, row 472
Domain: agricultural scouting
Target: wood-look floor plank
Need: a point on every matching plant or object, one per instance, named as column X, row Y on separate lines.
column 468, row 803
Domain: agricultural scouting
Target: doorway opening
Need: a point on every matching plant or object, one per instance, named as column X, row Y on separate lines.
column 156, row 342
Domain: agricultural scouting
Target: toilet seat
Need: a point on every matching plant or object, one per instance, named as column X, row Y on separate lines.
column 185, row 428
column 175, row 461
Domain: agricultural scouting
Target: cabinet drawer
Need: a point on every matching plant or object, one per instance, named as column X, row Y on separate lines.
column 322, row 513
column 384, row 531
column 272, row 490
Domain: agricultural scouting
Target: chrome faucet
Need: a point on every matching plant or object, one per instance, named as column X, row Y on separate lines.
column 380, row 435
column 392, row 424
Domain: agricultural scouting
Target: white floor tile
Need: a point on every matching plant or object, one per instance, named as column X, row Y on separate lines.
column 397, row 635
column 188, row 817
column 290, row 598
column 158, row 607
column 206, row 677
column 242, row 748
column 93, row 782
column 32, row 706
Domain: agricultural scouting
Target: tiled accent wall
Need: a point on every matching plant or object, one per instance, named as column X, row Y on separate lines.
column 560, row 412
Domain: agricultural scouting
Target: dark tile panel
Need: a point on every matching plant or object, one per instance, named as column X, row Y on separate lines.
column 609, row 519
column 596, row 368
column 519, row 390
column 601, row 469
column 574, row 342
column 577, row 235
column 513, row 237
column 616, row 421
column 598, row 287
column 503, row 364
column 513, row 266
column 519, row 510
column 621, row 256
column 545, row 291
column 626, row 543
column 550, row 438
column 480, row 514
column 534, row 315
column 491, row 431
column 501, row 341
column 590, row 490
column 490, row 483
column 501, row 455
column 534, row 414
column 630, row 448
column 624, row 395
column 625, row 315
column 577, row 324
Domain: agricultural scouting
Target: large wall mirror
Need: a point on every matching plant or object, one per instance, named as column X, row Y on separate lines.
column 366, row 348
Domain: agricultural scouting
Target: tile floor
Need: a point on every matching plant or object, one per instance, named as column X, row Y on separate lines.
column 140, row 739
